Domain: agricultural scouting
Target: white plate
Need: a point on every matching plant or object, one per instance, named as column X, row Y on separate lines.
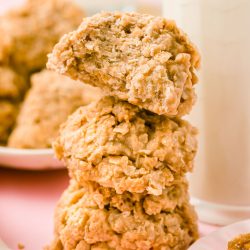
column 30, row 159
column 3, row 246
column 219, row 239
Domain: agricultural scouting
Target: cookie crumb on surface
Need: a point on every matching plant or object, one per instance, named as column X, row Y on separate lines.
column 20, row 246
column 31, row 30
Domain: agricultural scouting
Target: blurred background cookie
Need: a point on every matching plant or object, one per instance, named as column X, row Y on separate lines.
column 12, row 85
column 47, row 104
column 30, row 31
column 8, row 112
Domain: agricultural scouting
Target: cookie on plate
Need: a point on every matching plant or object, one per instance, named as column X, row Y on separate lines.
column 93, row 217
column 8, row 113
column 29, row 32
column 47, row 104
column 12, row 85
column 241, row 242
column 124, row 147
column 145, row 60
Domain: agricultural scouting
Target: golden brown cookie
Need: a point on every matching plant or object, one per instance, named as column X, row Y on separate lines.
column 47, row 104
column 30, row 31
column 12, row 85
column 241, row 242
column 8, row 113
column 121, row 146
column 145, row 60
column 93, row 217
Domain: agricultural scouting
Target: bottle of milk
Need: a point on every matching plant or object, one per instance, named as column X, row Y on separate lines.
column 220, row 184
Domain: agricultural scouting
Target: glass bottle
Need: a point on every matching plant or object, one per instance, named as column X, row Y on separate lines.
column 220, row 184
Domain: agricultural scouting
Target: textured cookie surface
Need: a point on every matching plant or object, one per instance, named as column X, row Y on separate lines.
column 12, row 86
column 121, row 146
column 241, row 242
column 30, row 32
column 8, row 113
column 93, row 217
column 47, row 104
column 143, row 59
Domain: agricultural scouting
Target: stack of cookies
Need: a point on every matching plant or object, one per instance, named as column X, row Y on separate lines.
column 128, row 153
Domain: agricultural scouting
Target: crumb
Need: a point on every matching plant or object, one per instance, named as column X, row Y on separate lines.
column 121, row 146
column 90, row 217
column 47, row 104
column 145, row 60
column 20, row 246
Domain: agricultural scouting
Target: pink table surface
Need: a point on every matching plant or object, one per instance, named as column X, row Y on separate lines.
column 27, row 201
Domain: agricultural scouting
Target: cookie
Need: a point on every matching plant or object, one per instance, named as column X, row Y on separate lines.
column 8, row 113
column 124, row 147
column 241, row 242
column 12, row 85
column 145, row 60
column 47, row 104
column 93, row 217
column 30, row 31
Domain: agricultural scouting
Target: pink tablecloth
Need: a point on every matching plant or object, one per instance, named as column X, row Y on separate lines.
column 27, row 201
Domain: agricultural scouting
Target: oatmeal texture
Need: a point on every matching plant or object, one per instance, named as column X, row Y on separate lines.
column 121, row 146
column 241, row 242
column 30, row 31
column 47, row 104
column 12, row 85
column 8, row 113
column 93, row 217
column 145, row 60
